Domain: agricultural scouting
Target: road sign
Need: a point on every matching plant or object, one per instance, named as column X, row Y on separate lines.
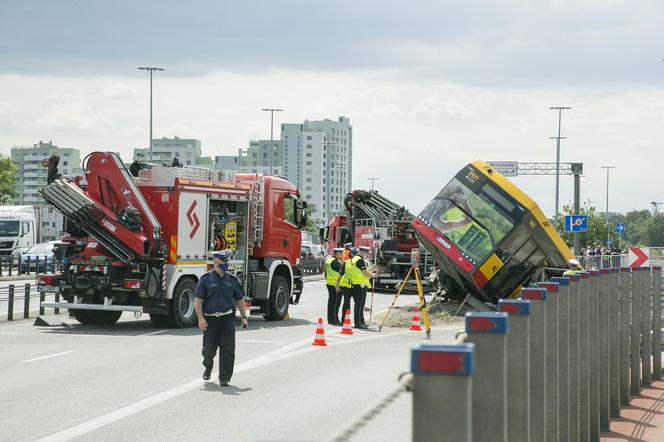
column 506, row 168
column 620, row 228
column 639, row 257
column 576, row 223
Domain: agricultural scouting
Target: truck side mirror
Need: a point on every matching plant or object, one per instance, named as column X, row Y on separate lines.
column 303, row 214
column 324, row 234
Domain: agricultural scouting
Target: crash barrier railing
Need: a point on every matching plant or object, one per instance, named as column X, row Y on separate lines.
column 27, row 265
column 597, row 262
column 556, row 364
column 312, row 267
column 26, row 296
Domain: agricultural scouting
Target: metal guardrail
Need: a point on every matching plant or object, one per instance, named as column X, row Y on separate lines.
column 598, row 262
column 24, row 293
column 312, row 267
column 16, row 265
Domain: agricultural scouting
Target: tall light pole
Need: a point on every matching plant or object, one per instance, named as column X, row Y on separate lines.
column 373, row 179
column 271, row 111
column 606, row 214
column 151, row 69
column 558, row 138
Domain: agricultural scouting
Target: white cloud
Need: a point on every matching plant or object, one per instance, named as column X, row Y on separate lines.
column 75, row 115
column 119, row 91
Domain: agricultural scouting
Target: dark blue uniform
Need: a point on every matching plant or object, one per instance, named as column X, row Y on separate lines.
column 219, row 295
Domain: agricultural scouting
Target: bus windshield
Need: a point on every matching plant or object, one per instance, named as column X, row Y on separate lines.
column 473, row 222
column 9, row 228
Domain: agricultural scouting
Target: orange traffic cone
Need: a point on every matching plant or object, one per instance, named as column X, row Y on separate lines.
column 347, row 330
column 320, row 334
column 415, row 323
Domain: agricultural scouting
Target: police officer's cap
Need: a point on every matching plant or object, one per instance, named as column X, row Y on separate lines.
column 348, row 245
column 223, row 255
column 354, row 250
column 338, row 250
column 364, row 249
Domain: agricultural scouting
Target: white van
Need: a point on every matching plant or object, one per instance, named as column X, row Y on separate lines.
column 17, row 229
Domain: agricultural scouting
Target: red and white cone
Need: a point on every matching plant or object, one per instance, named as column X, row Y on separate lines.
column 347, row 329
column 319, row 340
column 415, row 323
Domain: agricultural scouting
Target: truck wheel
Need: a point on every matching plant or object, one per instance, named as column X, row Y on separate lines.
column 97, row 317
column 277, row 304
column 182, row 305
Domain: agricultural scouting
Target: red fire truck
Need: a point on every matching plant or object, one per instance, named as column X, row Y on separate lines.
column 139, row 239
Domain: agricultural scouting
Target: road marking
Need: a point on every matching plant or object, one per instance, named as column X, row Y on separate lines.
column 50, row 356
column 153, row 333
column 249, row 341
column 286, row 352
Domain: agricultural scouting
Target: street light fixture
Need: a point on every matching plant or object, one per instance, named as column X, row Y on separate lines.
column 558, row 138
column 373, row 180
column 150, row 69
column 606, row 215
column 271, row 111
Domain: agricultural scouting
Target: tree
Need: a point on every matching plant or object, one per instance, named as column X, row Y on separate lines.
column 636, row 227
column 313, row 224
column 8, row 174
column 655, row 232
column 597, row 227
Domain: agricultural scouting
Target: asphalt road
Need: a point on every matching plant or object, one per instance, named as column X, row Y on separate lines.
column 136, row 382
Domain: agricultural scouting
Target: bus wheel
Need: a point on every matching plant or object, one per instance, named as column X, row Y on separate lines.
column 182, row 305
column 97, row 317
column 277, row 304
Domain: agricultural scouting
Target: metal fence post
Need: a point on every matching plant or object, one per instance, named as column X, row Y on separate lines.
column 10, row 303
column 584, row 357
column 625, row 337
column 442, row 371
column 537, row 298
column 488, row 331
column 635, row 333
column 657, row 322
column 518, row 366
column 563, row 356
column 26, row 301
column 573, row 412
column 593, row 345
column 614, row 342
column 604, row 348
column 646, row 343
column 42, row 298
column 552, row 417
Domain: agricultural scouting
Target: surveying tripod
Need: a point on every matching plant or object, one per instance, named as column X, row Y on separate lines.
column 415, row 270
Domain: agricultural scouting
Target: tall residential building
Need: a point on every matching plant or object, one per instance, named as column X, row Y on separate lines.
column 186, row 150
column 256, row 158
column 31, row 163
column 318, row 159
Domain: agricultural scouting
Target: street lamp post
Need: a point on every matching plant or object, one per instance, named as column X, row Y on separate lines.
column 606, row 215
column 373, row 180
column 150, row 69
column 271, row 111
column 558, row 138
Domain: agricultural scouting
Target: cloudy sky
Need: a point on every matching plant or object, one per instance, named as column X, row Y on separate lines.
column 428, row 86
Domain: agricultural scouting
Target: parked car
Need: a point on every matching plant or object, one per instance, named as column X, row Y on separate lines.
column 39, row 258
column 310, row 258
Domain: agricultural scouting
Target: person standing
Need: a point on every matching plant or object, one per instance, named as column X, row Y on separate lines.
column 344, row 286
column 332, row 269
column 361, row 280
column 218, row 294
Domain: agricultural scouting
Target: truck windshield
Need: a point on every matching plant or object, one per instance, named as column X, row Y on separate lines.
column 9, row 228
column 473, row 222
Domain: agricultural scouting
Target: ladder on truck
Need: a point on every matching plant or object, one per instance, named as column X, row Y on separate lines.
column 258, row 212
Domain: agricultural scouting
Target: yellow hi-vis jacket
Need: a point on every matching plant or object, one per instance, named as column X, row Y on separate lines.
column 357, row 276
column 345, row 278
column 331, row 276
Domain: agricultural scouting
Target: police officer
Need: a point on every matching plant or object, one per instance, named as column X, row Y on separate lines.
column 346, row 252
column 344, row 286
column 332, row 268
column 218, row 293
column 360, row 278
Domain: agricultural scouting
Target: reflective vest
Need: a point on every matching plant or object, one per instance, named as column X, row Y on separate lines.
column 345, row 278
column 346, row 255
column 570, row 272
column 357, row 276
column 330, row 275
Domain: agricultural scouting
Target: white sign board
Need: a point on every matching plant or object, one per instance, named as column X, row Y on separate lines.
column 639, row 257
column 506, row 168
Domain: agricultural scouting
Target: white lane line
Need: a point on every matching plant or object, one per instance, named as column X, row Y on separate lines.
column 249, row 341
column 54, row 355
column 286, row 352
column 153, row 333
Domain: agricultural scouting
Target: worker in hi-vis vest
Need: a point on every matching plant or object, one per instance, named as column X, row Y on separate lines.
column 344, row 286
column 574, row 267
column 361, row 281
column 332, row 268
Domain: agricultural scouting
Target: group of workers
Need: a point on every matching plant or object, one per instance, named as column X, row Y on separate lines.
column 347, row 276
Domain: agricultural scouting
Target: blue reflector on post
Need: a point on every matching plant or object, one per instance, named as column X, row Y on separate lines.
column 514, row 306
column 486, row 322
column 560, row 280
column 442, row 359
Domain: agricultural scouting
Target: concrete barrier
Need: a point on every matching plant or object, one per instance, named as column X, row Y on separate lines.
column 442, row 371
column 563, row 356
column 625, row 334
column 518, row 366
column 552, row 368
column 604, row 348
column 646, row 320
column 584, row 354
column 488, row 331
column 538, row 370
column 657, row 322
column 593, row 356
column 573, row 358
column 614, row 342
column 635, row 333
